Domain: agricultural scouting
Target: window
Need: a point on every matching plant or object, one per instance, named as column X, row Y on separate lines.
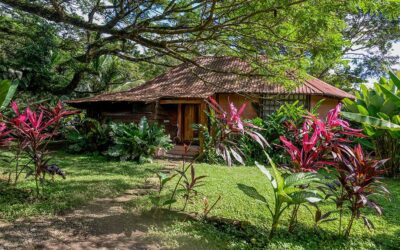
column 270, row 103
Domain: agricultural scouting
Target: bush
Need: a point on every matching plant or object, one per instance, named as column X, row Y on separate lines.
column 137, row 142
column 86, row 135
column 126, row 141
column 274, row 126
column 378, row 110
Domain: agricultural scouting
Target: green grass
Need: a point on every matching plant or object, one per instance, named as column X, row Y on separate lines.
column 236, row 205
column 88, row 177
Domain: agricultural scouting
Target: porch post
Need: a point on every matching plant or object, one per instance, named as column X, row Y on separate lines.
column 179, row 134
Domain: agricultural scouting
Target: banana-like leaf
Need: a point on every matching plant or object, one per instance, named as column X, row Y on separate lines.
column 391, row 96
column 372, row 121
column 7, row 91
column 395, row 79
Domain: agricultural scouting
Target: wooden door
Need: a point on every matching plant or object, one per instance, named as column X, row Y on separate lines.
column 190, row 116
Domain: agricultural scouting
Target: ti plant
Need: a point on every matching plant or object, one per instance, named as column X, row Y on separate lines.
column 207, row 207
column 225, row 126
column 359, row 178
column 190, row 184
column 288, row 190
column 34, row 130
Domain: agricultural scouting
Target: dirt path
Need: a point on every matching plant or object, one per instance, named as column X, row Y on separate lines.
column 101, row 224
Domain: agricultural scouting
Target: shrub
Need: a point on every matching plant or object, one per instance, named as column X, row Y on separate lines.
column 271, row 128
column 226, row 130
column 378, row 110
column 34, row 129
column 292, row 189
column 328, row 143
column 137, row 142
column 86, row 135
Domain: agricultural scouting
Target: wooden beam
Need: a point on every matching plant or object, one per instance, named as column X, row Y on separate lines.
column 179, row 134
column 181, row 101
column 203, row 121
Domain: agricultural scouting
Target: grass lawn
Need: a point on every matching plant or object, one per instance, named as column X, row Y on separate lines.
column 236, row 205
column 89, row 177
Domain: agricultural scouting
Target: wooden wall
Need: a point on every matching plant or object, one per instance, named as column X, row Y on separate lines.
column 328, row 104
column 250, row 110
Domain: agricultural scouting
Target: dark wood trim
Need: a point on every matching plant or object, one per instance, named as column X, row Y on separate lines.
column 181, row 101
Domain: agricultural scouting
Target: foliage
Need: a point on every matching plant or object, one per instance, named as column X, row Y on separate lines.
column 34, row 130
column 359, row 177
column 326, row 143
column 7, row 91
column 227, row 127
column 237, row 222
column 81, row 32
column 271, row 128
column 137, row 142
column 58, row 60
column 287, row 191
column 190, row 183
column 378, row 110
column 86, row 135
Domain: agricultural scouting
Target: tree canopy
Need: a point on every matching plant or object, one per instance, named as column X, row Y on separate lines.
column 62, row 45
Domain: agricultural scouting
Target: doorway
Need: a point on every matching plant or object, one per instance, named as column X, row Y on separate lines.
column 190, row 115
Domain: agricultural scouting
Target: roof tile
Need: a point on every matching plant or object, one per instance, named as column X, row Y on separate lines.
column 189, row 81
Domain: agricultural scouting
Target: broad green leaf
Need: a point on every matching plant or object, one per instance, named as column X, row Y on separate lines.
column 297, row 179
column 395, row 79
column 277, row 175
column 364, row 90
column 394, row 98
column 362, row 110
column 350, row 105
column 388, row 107
column 251, row 192
column 305, row 196
column 7, row 91
column 372, row 121
column 264, row 171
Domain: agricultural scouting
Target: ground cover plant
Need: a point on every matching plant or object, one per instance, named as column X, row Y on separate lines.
column 87, row 177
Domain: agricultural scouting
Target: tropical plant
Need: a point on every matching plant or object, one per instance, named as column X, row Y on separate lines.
column 272, row 127
column 226, row 129
column 137, row 142
column 7, row 91
column 358, row 176
column 378, row 110
column 291, row 189
column 87, row 135
column 317, row 145
column 190, row 183
column 207, row 207
column 35, row 129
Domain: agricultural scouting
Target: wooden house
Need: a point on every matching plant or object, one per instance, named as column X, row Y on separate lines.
column 176, row 98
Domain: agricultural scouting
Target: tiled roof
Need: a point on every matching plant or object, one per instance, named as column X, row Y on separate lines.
column 189, row 81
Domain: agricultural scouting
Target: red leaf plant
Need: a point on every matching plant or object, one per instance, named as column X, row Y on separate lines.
column 226, row 125
column 329, row 143
column 317, row 139
column 359, row 177
column 34, row 130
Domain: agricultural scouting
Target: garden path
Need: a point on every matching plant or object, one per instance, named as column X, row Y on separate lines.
column 101, row 224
